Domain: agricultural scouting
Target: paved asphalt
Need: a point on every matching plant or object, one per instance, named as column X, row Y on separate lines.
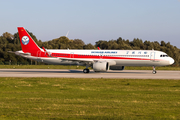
column 64, row 73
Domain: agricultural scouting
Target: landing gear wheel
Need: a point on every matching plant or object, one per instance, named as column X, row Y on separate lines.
column 154, row 72
column 86, row 71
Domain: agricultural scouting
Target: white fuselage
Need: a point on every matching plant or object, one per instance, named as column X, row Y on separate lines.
column 113, row 57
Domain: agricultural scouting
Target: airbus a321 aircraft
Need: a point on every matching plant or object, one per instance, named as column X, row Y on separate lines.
column 99, row 60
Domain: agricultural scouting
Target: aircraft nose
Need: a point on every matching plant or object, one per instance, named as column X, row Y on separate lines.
column 171, row 61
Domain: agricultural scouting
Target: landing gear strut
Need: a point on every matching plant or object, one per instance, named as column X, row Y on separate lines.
column 154, row 70
column 86, row 70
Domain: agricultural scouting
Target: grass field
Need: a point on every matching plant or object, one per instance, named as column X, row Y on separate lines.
column 78, row 67
column 90, row 99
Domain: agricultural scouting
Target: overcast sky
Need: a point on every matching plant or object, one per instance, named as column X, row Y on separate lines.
column 93, row 20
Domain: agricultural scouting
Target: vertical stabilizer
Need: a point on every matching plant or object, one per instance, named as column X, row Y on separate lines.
column 27, row 43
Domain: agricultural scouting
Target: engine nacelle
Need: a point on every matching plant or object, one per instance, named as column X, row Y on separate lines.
column 116, row 67
column 100, row 66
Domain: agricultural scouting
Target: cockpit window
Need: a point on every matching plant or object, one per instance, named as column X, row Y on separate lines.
column 164, row 56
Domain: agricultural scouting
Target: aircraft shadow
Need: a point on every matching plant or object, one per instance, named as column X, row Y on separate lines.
column 69, row 71
column 39, row 71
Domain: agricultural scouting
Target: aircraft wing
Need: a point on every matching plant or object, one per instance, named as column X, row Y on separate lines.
column 89, row 61
column 76, row 59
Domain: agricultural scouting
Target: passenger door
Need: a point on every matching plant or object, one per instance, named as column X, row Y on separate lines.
column 152, row 56
column 72, row 55
column 39, row 56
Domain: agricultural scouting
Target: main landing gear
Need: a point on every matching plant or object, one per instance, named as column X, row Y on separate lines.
column 86, row 70
column 154, row 70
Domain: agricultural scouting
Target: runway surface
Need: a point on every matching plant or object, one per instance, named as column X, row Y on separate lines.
column 64, row 73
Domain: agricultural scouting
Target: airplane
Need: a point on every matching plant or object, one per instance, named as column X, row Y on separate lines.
column 99, row 60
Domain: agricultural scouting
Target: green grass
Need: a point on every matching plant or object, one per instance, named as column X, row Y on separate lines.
column 77, row 67
column 102, row 99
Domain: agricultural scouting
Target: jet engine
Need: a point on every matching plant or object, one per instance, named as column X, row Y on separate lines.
column 100, row 66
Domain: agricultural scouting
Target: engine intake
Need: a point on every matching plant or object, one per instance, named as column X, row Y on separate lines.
column 100, row 66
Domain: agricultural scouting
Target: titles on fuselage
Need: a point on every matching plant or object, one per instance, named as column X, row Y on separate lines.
column 114, row 52
column 109, row 52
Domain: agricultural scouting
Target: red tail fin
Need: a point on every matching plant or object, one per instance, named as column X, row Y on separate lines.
column 27, row 43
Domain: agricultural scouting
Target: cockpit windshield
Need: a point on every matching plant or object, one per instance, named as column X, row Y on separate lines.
column 164, row 56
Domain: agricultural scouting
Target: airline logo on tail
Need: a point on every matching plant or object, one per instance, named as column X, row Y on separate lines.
column 25, row 40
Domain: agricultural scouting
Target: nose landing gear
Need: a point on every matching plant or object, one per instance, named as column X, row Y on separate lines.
column 154, row 70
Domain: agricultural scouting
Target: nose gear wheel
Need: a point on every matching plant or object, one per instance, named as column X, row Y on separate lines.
column 154, row 70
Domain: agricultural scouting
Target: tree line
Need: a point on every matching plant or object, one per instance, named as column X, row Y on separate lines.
column 9, row 42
